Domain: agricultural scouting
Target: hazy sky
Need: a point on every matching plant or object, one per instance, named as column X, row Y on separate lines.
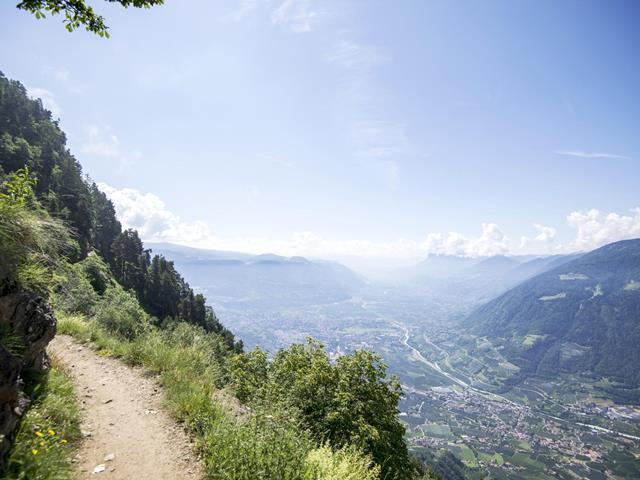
column 356, row 127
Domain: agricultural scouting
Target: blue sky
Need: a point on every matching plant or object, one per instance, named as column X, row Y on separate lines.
column 384, row 129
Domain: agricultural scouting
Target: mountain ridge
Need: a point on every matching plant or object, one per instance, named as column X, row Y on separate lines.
column 579, row 317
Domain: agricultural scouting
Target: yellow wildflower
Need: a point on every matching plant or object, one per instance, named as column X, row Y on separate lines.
column 64, row 440
column 34, row 451
column 42, row 444
column 51, row 432
column 39, row 434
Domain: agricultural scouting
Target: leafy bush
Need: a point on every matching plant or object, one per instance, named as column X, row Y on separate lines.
column 349, row 402
column 119, row 312
column 76, row 294
column 97, row 272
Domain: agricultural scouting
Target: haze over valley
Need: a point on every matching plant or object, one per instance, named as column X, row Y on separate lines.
column 498, row 362
column 319, row 239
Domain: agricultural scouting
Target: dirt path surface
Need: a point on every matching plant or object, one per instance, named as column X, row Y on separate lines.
column 127, row 434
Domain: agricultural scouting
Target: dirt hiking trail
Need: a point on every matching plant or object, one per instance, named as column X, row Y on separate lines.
column 127, row 434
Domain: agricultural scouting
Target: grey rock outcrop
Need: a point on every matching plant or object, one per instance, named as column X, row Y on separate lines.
column 27, row 325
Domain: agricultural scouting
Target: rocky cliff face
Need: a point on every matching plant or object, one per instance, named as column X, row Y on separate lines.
column 27, row 325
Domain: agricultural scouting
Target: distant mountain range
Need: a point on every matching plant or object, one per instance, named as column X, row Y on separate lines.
column 582, row 316
column 473, row 280
column 261, row 280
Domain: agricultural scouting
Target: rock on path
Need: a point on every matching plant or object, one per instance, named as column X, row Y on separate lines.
column 127, row 433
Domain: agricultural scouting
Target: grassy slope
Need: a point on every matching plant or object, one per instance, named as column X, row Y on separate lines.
column 49, row 432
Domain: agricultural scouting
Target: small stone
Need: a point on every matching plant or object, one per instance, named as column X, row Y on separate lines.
column 99, row 468
column 109, row 457
column 85, row 433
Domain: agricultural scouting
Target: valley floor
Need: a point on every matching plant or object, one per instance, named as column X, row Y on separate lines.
column 127, row 433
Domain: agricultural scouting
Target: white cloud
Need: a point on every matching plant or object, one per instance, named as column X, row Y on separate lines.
column 583, row 154
column 48, row 99
column 541, row 243
column 298, row 15
column 245, row 7
column 596, row 228
column 490, row 242
column 102, row 142
column 148, row 214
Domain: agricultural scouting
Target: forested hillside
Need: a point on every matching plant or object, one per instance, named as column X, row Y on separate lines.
column 581, row 317
column 31, row 139
column 307, row 418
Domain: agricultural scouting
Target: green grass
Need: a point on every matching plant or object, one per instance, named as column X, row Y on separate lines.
column 436, row 430
column 495, row 457
column 265, row 444
column 520, row 458
column 522, row 445
column 49, row 431
column 467, row 456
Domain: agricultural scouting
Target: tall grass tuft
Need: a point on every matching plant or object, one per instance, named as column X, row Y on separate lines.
column 49, row 431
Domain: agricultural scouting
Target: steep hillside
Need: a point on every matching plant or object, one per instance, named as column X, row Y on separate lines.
column 61, row 244
column 261, row 280
column 583, row 316
column 31, row 141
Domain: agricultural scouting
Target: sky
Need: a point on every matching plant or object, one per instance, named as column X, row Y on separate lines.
column 353, row 128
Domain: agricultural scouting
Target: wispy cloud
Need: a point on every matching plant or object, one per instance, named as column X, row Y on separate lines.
column 243, row 9
column 298, row 15
column 584, row 154
column 48, row 99
column 102, row 142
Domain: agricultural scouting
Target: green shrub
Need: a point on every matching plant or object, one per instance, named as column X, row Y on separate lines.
column 349, row 402
column 120, row 313
column 76, row 294
column 97, row 272
column 344, row 464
